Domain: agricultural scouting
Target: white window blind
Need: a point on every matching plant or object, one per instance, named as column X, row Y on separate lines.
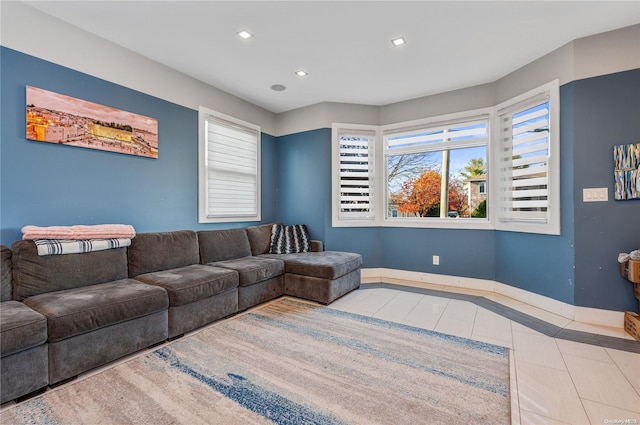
column 429, row 138
column 231, row 175
column 524, row 153
column 355, row 174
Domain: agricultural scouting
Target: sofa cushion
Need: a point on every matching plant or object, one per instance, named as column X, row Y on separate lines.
column 326, row 264
column 260, row 238
column 5, row 273
column 80, row 310
column 34, row 274
column 21, row 328
column 253, row 269
column 192, row 283
column 221, row 245
column 152, row 252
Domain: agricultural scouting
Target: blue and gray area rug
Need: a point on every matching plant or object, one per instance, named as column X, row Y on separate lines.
column 290, row 362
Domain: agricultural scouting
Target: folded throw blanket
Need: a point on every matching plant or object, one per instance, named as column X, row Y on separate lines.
column 66, row 246
column 98, row 231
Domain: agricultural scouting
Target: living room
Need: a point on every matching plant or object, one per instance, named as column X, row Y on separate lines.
column 573, row 274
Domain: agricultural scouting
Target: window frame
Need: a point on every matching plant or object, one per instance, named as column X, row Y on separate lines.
column 336, row 130
column 204, row 116
column 464, row 117
column 552, row 226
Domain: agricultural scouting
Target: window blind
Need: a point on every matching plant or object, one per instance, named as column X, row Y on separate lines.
column 232, row 168
column 447, row 135
column 355, row 179
column 524, row 161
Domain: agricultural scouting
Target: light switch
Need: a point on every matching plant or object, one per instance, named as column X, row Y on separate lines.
column 597, row 194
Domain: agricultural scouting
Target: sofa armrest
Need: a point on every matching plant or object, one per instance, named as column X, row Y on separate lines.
column 317, row 246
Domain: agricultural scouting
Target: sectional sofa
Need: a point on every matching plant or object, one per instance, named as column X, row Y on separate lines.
column 62, row 315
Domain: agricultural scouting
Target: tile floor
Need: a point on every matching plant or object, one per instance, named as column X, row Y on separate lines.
column 555, row 380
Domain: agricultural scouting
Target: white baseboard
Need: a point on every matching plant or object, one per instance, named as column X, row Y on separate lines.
column 580, row 314
column 598, row 316
column 540, row 301
column 428, row 278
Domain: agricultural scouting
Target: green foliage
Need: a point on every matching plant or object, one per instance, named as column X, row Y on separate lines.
column 481, row 211
column 475, row 167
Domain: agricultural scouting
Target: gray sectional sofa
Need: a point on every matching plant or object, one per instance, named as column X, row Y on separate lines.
column 62, row 315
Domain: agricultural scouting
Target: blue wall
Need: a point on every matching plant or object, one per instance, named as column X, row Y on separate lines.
column 304, row 196
column 468, row 253
column 303, row 180
column 577, row 267
column 543, row 264
column 46, row 184
column 606, row 113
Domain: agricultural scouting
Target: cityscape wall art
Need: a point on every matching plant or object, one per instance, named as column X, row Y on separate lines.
column 56, row 118
column 626, row 171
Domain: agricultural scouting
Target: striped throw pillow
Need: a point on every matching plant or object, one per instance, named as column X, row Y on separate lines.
column 289, row 239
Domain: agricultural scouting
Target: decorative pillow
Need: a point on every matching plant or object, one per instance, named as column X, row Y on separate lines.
column 289, row 239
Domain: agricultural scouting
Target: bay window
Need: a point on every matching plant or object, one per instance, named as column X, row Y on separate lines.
column 494, row 168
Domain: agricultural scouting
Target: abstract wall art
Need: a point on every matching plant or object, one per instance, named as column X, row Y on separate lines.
column 626, row 171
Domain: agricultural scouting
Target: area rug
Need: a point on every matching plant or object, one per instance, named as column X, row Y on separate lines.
column 291, row 362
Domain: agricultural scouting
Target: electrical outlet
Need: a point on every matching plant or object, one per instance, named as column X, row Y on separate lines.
column 436, row 260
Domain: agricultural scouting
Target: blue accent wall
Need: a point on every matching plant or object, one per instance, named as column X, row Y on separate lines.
column 543, row 264
column 303, row 180
column 47, row 184
column 304, row 194
column 576, row 267
column 606, row 113
column 468, row 253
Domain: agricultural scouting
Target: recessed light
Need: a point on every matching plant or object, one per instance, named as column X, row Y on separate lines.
column 398, row 41
column 278, row 87
column 244, row 34
column 301, row 73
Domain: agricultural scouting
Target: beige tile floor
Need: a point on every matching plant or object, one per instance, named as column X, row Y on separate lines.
column 553, row 381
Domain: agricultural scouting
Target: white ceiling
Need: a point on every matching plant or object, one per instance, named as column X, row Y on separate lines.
column 345, row 46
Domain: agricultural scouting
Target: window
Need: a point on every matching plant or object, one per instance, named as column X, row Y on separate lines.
column 528, row 162
column 228, row 169
column 353, row 184
column 495, row 168
column 430, row 168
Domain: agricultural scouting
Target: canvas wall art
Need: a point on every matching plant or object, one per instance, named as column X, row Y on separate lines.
column 626, row 159
column 56, row 118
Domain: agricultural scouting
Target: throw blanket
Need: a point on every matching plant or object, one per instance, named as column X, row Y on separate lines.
column 80, row 232
column 64, row 246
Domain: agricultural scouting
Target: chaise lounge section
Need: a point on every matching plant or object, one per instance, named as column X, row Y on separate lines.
column 320, row 276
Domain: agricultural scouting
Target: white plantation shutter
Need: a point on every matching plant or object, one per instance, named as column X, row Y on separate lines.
column 355, row 174
column 231, row 151
column 527, row 161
